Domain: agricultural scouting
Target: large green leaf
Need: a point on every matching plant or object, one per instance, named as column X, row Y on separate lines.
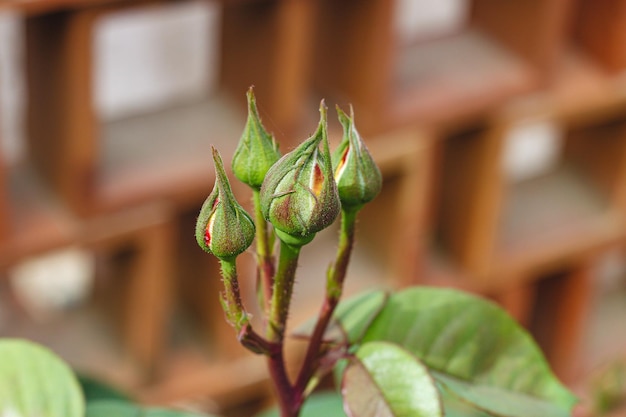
column 477, row 350
column 455, row 407
column 35, row 383
column 326, row 404
column 114, row 408
column 356, row 314
column 384, row 380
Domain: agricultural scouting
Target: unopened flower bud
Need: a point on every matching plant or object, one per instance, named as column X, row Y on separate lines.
column 223, row 227
column 257, row 150
column 358, row 178
column 299, row 194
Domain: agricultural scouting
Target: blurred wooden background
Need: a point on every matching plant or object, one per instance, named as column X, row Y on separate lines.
column 501, row 134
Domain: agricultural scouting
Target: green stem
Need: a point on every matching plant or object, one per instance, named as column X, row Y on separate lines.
column 283, row 288
column 264, row 253
column 334, row 287
column 235, row 311
column 288, row 402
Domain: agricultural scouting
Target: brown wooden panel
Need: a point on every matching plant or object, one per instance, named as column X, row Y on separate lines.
column 61, row 123
column 599, row 29
column 267, row 44
column 518, row 300
column 563, row 302
column 600, row 152
column 199, row 285
column 4, row 203
column 535, row 29
column 393, row 226
column 147, row 301
column 354, row 51
column 471, row 186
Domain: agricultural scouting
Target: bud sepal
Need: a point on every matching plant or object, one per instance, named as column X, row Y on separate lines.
column 299, row 195
column 257, row 150
column 223, row 227
column 358, row 178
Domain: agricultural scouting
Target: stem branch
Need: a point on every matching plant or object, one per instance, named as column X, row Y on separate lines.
column 236, row 313
column 265, row 260
column 334, row 288
column 288, row 400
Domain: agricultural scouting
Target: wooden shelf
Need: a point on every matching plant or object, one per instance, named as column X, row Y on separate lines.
column 551, row 220
column 41, row 7
column 166, row 154
column 558, row 205
column 85, row 339
column 435, row 113
column 36, row 221
column 598, row 28
column 39, row 224
column 456, row 77
column 98, row 166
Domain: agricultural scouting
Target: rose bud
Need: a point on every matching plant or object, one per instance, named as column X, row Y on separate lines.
column 223, row 227
column 257, row 150
column 358, row 178
column 299, row 194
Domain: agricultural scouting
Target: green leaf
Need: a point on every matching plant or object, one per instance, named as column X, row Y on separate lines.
column 356, row 314
column 327, row 404
column 36, row 383
column 502, row 402
column 113, row 408
column 384, row 380
column 455, row 407
column 478, row 351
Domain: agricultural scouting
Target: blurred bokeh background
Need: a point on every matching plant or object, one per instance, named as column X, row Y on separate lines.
column 499, row 126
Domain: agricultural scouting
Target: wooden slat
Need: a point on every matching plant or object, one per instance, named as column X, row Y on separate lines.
column 600, row 152
column 61, row 123
column 471, row 184
column 599, row 29
column 563, row 303
column 393, row 226
column 146, row 303
column 4, row 203
column 354, row 54
column 266, row 44
column 535, row 29
column 518, row 301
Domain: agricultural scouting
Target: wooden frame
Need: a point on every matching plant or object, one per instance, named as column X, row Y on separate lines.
column 394, row 224
column 598, row 29
column 564, row 299
column 87, row 162
column 427, row 82
column 434, row 115
column 142, row 301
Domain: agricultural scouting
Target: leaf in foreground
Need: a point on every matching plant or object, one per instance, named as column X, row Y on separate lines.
column 36, row 383
column 384, row 380
column 476, row 349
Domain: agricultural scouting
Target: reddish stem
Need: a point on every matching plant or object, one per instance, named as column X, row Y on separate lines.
column 334, row 286
column 288, row 399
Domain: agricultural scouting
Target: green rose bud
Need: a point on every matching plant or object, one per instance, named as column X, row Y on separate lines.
column 299, row 194
column 223, row 227
column 257, row 150
column 358, row 178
